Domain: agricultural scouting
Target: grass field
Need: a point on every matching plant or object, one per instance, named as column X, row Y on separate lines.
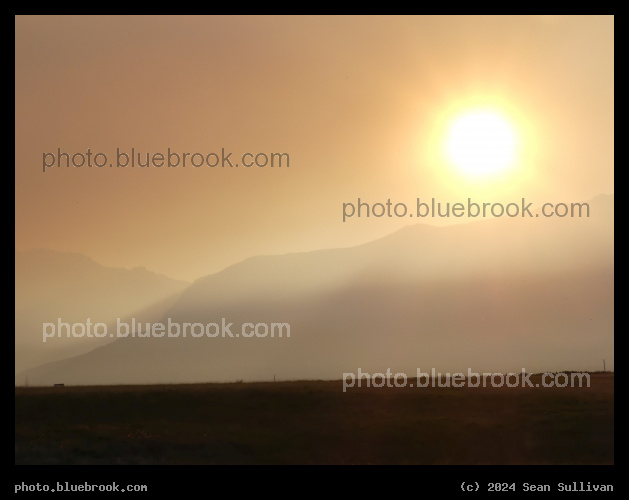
column 314, row 422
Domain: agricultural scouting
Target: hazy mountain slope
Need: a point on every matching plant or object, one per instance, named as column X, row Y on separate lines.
column 51, row 285
column 491, row 295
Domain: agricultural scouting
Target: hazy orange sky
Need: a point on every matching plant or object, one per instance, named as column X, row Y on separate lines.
column 358, row 102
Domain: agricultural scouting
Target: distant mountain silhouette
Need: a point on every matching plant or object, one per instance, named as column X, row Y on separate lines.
column 70, row 286
column 492, row 295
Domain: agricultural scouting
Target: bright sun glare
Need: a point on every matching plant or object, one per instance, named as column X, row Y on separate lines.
column 481, row 142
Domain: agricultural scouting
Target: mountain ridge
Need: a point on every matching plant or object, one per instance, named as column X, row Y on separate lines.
column 539, row 282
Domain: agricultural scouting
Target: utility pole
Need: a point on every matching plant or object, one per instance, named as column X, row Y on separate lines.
column 604, row 366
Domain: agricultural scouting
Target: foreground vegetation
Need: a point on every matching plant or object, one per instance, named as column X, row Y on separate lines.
column 314, row 422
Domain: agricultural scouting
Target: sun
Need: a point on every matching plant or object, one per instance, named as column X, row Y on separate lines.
column 481, row 142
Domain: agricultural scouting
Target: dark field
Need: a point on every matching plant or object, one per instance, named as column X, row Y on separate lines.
column 314, row 422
